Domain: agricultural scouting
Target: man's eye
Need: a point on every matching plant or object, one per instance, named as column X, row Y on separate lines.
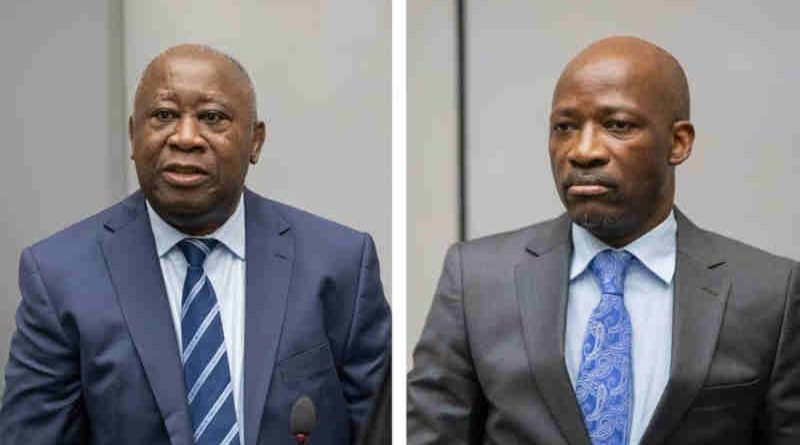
column 212, row 117
column 164, row 115
column 562, row 127
column 617, row 126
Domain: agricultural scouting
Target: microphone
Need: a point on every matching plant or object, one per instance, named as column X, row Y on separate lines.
column 302, row 419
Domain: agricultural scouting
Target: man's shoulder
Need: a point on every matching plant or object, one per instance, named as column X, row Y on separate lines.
column 736, row 253
column 302, row 223
column 80, row 242
column 545, row 233
column 90, row 229
column 748, row 265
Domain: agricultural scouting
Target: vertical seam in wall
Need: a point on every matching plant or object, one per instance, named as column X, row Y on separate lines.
column 462, row 111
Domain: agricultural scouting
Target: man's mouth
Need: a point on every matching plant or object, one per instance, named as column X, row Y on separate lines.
column 588, row 186
column 184, row 175
column 587, row 190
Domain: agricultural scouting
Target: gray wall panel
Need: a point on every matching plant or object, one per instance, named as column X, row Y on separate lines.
column 432, row 152
column 61, row 126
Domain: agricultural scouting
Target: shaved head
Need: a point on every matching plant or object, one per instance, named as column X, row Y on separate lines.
column 653, row 67
column 196, row 50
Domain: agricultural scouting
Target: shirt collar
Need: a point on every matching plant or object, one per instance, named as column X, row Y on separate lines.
column 656, row 249
column 230, row 234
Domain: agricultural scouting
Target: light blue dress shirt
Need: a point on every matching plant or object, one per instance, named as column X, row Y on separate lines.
column 225, row 268
column 648, row 297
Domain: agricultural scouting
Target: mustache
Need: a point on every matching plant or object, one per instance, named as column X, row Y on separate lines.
column 583, row 178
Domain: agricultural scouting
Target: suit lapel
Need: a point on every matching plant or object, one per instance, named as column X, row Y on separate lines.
column 270, row 254
column 701, row 292
column 541, row 282
column 136, row 274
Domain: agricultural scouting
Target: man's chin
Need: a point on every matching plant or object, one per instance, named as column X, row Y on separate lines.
column 592, row 221
column 603, row 223
column 181, row 203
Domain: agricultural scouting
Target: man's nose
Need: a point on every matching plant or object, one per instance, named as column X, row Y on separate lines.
column 187, row 134
column 588, row 151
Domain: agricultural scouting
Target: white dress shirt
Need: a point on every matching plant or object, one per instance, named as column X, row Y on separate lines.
column 648, row 295
column 225, row 268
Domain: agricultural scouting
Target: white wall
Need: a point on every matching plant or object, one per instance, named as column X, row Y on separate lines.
column 432, row 155
column 742, row 64
column 322, row 73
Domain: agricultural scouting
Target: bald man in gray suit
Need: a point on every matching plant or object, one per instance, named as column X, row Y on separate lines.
column 619, row 322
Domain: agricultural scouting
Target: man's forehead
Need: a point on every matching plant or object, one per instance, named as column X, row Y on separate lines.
column 168, row 72
column 612, row 79
column 168, row 94
column 604, row 72
column 200, row 64
column 573, row 106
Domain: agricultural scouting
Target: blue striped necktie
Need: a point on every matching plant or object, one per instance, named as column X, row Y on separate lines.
column 205, row 362
column 605, row 379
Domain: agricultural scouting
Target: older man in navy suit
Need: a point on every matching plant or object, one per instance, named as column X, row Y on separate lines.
column 195, row 311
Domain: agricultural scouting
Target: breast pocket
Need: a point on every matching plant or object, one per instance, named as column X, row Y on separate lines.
column 723, row 396
column 307, row 364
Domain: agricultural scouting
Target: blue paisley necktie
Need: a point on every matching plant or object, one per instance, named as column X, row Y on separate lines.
column 605, row 379
column 205, row 361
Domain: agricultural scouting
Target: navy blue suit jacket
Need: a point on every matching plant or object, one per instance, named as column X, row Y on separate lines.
column 95, row 359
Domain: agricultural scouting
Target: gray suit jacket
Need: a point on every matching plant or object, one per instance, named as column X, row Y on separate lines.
column 489, row 367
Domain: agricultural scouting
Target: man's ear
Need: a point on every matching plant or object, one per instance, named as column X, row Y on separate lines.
column 259, row 135
column 130, row 134
column 682, row 142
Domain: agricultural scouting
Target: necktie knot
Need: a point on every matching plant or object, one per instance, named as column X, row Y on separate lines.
column 197, row 249
column 609, row 267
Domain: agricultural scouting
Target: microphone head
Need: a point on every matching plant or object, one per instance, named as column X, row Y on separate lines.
column 303, row 417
